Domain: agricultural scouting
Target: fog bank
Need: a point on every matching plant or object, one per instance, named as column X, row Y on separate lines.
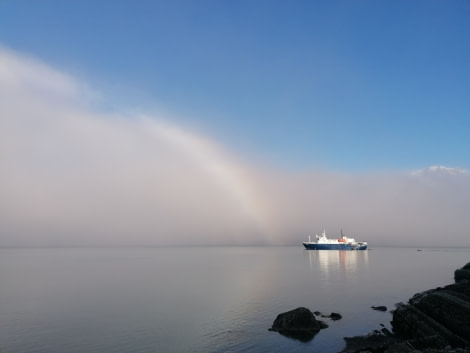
column 74, row 176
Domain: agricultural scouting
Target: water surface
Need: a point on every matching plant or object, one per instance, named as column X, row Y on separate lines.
column 214, row 299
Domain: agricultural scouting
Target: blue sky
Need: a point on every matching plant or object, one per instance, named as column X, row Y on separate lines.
column 347, row 86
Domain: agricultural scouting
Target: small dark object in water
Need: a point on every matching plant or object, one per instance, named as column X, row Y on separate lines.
column 335, row 316
column 379, row 308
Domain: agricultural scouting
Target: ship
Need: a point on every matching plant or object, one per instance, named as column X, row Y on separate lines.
column 342, row 243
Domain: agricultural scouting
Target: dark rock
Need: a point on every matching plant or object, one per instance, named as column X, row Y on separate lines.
column 300, row 319
column 437, row 318
column 332, row 316
column 375, row 341
column 335, row 316
column 462, row 275
column 379, row 308
column 433, row 321
column 299, row 324
column 440, row 313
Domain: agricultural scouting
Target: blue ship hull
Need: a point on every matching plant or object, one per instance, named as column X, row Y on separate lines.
column 316, row 246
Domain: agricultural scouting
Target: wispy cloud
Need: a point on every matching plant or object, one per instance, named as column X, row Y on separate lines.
column 70, row 175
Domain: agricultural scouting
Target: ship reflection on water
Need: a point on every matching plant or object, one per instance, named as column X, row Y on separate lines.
column 337, row 261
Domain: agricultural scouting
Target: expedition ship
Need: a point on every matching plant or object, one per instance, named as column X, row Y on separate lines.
column 342, row 243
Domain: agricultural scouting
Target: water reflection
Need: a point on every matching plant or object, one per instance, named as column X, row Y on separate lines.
column 298, row 335
column 333, row 261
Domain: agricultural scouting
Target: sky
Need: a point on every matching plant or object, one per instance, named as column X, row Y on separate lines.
column 234, row 122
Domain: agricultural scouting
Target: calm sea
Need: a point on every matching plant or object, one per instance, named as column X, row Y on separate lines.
column 217, row 299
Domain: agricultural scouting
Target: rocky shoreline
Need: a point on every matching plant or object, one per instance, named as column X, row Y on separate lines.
column 433, row 321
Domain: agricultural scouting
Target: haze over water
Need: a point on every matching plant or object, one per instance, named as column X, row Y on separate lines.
column 202, row 299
